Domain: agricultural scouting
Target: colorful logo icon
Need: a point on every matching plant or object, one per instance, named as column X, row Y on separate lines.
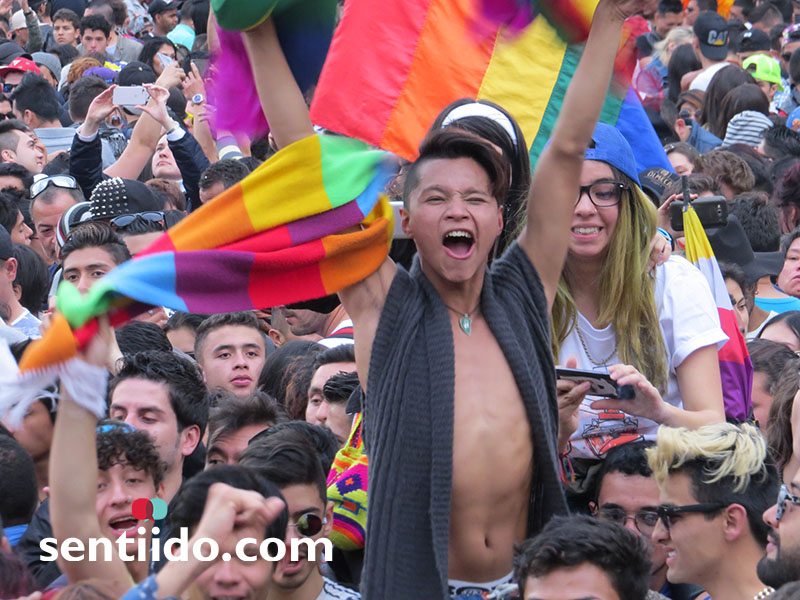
column 149, row 508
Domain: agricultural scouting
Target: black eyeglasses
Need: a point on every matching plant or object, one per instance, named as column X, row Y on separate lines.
column 670, row 514
column 8, row 115
column 783, row 497
column 309, row 524
column 645, row 520
column 603, row 193
column 123, row 221
column 62, row 181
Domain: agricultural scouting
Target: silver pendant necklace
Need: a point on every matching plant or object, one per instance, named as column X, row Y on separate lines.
column 465, row 322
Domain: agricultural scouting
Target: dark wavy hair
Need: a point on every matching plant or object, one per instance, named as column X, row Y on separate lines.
column 117, row 444
column 567, row 542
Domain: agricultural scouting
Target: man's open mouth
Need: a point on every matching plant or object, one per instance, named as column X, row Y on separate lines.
column 459, row 243
column 124, row 524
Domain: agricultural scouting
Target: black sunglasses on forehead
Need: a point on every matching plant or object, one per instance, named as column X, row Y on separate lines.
column 123, row 221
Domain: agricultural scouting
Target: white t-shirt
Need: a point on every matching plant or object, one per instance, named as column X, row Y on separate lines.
column 689, row 321
column 333, row 591
column 704, row 78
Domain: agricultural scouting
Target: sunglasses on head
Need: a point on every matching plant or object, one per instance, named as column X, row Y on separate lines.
column 122, row 221
column 109, row 427
column 61, row 181
column 309, row 524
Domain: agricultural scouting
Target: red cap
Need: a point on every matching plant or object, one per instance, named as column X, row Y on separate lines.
column 23, row 64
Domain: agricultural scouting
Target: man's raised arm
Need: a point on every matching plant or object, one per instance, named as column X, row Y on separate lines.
column 281, row 98
column 554, row 188
column 73, row 481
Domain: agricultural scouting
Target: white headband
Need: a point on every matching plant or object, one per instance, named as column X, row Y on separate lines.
column 476, row 109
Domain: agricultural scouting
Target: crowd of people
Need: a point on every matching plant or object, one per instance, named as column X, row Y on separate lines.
column 415, row 419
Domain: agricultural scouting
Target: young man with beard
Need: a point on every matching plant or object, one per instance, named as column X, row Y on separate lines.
column 163, row 395
column 715, row 484
column 781, row 564
column 325, row 317
column 627, row 494
column 288, row 459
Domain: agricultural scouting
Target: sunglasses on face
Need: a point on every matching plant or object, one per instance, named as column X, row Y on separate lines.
column 9, row 87
column 123, row 221
column 783, row 497
column 309, row 524
column 670, row 514
column 61, row 181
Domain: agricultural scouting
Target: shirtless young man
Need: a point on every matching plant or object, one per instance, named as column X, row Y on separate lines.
column 452, row 484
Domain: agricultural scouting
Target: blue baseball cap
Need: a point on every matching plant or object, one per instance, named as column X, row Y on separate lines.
column 611, row 147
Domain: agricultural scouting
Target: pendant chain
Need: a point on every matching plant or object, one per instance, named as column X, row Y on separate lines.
column 589, row 355
column 465, row 322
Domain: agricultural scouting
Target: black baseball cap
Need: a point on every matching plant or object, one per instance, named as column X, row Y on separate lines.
column 711, row 30
column 159, row 6
column 655, row 180
column 753, row 40
column 136, row 73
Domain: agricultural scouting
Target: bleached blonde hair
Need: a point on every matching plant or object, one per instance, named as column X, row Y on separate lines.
column 676, row 37
column 723, row 451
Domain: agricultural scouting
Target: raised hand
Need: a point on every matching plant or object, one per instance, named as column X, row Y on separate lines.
column 157, row 109
column 102, row 106
column 193, row 84
column 570, row 397
column 171, row 76
column 230, row 510
column 660, row 251
column 647, row 401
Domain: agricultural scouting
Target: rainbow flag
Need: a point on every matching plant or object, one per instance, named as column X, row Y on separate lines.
column 271, row 239
column 304, row 29
column 424, row 54
column 734, row 361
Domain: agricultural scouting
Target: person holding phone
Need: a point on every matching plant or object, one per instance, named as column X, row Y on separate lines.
column 655, row 330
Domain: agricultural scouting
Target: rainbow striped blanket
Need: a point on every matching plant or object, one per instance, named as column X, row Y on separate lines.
column 272, row 239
